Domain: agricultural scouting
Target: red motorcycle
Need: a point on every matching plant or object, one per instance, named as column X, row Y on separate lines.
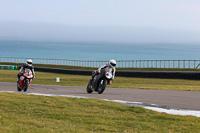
column 25, row 80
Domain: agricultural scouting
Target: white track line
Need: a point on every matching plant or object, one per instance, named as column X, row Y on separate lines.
column 158, row 109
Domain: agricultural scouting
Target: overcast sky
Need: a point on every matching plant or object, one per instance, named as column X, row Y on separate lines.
column 123, row 21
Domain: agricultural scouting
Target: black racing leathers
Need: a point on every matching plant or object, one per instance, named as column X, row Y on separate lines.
column 23, row 68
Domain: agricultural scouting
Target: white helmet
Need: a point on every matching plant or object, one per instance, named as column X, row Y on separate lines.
column 29, row 62
column 112, row 62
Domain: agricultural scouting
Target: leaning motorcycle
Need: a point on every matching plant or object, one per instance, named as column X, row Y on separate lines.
column 25, row 80
column 100, row 82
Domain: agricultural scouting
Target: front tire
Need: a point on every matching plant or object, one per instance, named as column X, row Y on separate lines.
column 18, row 88
column 89, row 88
column 102, row 86
column 25, row 85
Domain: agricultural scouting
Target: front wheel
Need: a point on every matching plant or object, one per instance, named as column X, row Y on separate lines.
column 102, row 86
column 26, row 82
column 89, row 87
column 18, row 88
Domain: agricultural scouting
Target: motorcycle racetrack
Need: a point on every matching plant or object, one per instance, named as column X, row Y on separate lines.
column 168, row 101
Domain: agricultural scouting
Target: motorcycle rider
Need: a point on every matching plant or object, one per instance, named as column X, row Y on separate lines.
column 112, row 63
column 28, row 65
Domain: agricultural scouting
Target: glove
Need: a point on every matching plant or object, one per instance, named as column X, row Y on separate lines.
column 19, row 74
column 94, row 72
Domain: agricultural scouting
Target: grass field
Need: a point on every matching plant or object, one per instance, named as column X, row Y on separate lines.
column 40, row 114
column 29, row 113
column 119, row 82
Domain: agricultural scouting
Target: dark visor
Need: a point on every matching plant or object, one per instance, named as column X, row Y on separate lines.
column 113, row 64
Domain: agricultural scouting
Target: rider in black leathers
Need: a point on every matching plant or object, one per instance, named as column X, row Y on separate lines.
column 111, row 64
column 28, row 65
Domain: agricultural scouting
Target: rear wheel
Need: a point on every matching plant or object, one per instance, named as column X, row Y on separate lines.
column 102, row 86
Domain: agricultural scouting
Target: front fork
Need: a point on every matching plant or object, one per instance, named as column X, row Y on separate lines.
column 21, row 82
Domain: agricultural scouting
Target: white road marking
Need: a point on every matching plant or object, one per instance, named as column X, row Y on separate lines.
column 157, row 108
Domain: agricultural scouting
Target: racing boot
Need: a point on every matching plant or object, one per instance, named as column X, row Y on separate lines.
column 18, row 76
column 18, row 80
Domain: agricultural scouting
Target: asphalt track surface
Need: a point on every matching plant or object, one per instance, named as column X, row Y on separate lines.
column 168, row 99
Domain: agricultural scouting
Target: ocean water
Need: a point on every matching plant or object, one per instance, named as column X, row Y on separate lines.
column 97, row 51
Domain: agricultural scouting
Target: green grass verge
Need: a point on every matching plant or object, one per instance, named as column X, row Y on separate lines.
column 119, row 82
column 28, row 113
column 89, row 68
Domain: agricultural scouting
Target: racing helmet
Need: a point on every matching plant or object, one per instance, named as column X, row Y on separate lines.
column 112, row 62
column 29, row 62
